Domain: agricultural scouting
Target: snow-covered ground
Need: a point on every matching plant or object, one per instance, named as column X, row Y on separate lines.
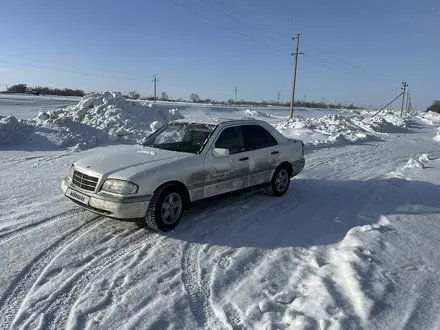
column 28, row 106
column 352, row 245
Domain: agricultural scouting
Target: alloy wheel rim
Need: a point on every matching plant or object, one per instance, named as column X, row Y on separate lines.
column 282, row 180
column 171, row 208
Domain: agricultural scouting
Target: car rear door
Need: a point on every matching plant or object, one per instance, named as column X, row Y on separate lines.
column 264, row 153
column 230, row 173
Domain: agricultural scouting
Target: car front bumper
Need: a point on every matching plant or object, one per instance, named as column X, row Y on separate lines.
column 131, row 207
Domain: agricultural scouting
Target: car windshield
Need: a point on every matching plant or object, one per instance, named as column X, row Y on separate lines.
column 180, row 136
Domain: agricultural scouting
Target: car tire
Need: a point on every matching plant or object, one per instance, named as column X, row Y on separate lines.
column 165, row 209
column 280, row 181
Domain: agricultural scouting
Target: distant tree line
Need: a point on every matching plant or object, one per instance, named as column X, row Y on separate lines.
column 25, row 89
column 195, row 98
column 434, row 107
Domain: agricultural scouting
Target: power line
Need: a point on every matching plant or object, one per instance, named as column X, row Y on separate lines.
column 284, row 82
column 72, row 71
column 284, row 35
column 190, row 87
column 306, row 44
column 349, row 64
column 237, row 21
column 100, row 75
column 224, row 26
column 241, row 14
column 336, row 58
column 329, row 66
column 333, row 65
column 48, row 62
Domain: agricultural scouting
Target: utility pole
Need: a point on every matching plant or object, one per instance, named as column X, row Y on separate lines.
column 404, row 86
column 155, row 89
column 292, row 101
column 278, row 97
column 305, row 98
column 235, row 90
column 407, row 102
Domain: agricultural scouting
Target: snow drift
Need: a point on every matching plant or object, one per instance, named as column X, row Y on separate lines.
column 97, row 118
column 256, row 113
column 437, row 136
column 13, row 130
column 340, row 130
column 430, row 117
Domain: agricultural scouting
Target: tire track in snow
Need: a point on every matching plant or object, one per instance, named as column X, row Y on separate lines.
column 45, row 158
column 39, row 225
column 90, row 315
column 19, row 288
column 197, row 289
column 57, row 313
column 29, row 160
column 233, row 317
column 196, row 282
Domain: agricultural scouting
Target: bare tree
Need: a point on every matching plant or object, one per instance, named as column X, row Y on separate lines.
column 164, row 96
column 194, row 98
column 134, row 95
column 434, row 107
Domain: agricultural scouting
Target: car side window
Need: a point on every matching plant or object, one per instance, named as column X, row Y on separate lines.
column 257, row 137
column 232, row 139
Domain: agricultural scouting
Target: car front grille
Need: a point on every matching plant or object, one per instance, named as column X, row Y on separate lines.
column 84, row 181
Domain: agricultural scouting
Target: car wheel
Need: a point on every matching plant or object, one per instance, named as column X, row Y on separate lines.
column 280, row 181
column 165, row 209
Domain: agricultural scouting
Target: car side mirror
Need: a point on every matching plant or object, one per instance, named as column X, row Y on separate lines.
column 220, row 152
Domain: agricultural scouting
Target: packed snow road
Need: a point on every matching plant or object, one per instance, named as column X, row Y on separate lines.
column 352, row 245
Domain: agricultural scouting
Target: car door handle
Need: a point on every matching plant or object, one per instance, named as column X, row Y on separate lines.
column 243, row 159
column 274, row 152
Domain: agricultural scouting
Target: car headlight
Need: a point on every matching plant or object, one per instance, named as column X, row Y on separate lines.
column 72, row 169
column 121, row 187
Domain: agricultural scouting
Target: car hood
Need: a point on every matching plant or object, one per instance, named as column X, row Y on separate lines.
column 125, row 161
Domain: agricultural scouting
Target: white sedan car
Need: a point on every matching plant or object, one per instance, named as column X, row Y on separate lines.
column 182, row 162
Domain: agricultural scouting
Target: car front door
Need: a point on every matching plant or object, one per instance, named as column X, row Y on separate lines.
column 264, row 153
column 225, row 174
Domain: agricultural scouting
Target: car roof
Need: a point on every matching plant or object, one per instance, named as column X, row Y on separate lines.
column 216, row 121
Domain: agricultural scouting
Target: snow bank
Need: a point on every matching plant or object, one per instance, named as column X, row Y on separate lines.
column 414, row 166
column 113, row 114
column 336, row 129
column 437, row 137
column 430, row 117
column 327, row 130
column 385, row 123
column 414, row 163
column 97, row 118
column 13, row 130
column 425, row 158
column 421, row 162
column 345, row 285
column 256, row 113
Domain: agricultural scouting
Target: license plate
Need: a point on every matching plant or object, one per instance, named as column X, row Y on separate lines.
column 77, row 196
